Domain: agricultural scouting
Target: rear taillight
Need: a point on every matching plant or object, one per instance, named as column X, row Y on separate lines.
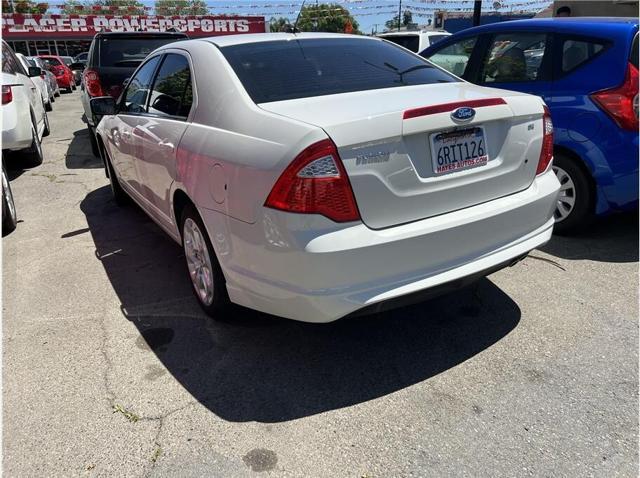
column 316, row 183
column 92, row 83
column 621, row 103
column 546, row 153
column 7, row 94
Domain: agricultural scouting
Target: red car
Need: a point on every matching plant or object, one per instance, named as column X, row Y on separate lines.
column 64, row 75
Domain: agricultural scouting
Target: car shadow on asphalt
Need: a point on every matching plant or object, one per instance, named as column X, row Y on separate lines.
column 610, row 239
column 79, row 155
column 248, row 366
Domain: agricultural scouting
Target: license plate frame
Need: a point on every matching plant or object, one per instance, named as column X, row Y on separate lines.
column 462, row 142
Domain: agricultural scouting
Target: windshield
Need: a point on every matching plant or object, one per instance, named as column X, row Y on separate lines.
column 410, row 42
column 284, row 70
column 128, row 52
column 67, row 60
column 51, row 61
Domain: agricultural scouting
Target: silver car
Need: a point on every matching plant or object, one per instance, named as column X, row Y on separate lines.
column 314, row 175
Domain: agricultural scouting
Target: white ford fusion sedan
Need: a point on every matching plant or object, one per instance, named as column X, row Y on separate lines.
column 311, row 176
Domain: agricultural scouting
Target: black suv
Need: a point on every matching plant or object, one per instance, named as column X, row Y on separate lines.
column 113, row 57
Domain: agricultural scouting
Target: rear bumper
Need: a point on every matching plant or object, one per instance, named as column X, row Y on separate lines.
column 310, row 269
column 64, row 81
column 16, row 134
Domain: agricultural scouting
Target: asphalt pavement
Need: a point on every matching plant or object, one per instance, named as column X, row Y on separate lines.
column 111, row 369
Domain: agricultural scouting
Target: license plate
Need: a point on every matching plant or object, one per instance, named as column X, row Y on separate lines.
column 458, row 150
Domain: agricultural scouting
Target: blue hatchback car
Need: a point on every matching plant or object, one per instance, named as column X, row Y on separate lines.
column 586, row 70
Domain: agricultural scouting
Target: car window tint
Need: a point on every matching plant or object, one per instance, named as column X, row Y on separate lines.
column 10, row 63
column 52, row 61
column 135, row 98
column 578, row 52
column 410, row 42
column 514, row 57
column 455, row 57
column 436, row 38
column 633, row 56
column 303, row 68
column 128, row 52
column 172, row 94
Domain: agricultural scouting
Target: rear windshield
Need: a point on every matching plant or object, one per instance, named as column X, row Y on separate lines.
column 633, row 58
column 128, row 52
column 410, row 42
column 285, row 70
column 436, row 38
column 51, row 61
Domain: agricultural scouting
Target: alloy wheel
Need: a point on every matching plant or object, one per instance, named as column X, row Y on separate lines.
column 198, row 261
column 567, row 195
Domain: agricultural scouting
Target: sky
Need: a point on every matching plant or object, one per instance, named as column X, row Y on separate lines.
column 370, row 13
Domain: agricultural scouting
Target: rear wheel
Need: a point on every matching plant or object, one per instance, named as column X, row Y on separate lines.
column 203, row 268
column 574, row 209
column 69, row 89
column 33, row 155
column 57, row 93
column 48, row 106
column 9, row 216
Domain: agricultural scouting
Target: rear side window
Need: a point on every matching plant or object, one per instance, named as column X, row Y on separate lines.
column 410, row 42
column 578, row 52
column 128, row 52
column 303, row 68
column 172, row 94
column 515, row 57
column 455, row 57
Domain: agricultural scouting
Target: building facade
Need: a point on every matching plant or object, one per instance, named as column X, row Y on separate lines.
column 70, row 35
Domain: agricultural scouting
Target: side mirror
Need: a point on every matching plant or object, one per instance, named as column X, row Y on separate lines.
column 103, row 105
column 79, row 65
column 34, row 71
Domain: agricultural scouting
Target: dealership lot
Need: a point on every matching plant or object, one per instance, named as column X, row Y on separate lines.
column 110, row 367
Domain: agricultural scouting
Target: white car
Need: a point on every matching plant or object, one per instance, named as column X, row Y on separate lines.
column 416, row 41
column 40, row 81
column 50, row 78
column 24, row 119
column 314, row 175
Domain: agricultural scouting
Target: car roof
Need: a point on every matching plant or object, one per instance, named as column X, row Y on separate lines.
column 558, row 24
column 414, row 32
column 229, row 40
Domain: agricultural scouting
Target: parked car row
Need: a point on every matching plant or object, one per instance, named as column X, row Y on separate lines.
column 371, row 176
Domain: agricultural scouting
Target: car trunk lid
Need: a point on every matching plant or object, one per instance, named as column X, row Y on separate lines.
column 385, row 139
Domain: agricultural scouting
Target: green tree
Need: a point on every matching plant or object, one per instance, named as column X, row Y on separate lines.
column 327, row 17
column 278, row 24
column 25, row 6
column 392, row 24
column 181, row 7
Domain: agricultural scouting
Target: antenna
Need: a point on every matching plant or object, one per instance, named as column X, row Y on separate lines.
column 295, row 24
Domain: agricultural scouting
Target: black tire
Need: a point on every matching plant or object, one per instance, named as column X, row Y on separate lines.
column 48, row 106
column 220, row 297
column 47, row 127
column 581, row 214
column 73, row 85
column 69, row 89
column 33, row 156
column 9, row 216
column 57, row 93
column 119, row 195
column 94, row 142
column 53, row 98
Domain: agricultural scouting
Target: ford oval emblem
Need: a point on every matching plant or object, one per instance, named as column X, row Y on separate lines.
column 463, row 114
